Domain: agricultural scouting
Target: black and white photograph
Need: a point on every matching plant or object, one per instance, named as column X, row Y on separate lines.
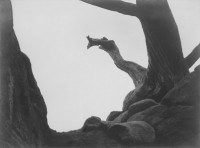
column 99, row 73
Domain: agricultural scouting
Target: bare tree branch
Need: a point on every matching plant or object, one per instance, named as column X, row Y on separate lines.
column 193, row 56
column 115, row 5
column 167, row 66
column 135, row 71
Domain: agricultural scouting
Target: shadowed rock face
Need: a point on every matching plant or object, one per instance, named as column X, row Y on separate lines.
column 185, row 93
column 113, row 115
column 177, row 125
column 23, row 121
column 23, row 111
column 133, row 132
column 22, row 108
column 172, row 122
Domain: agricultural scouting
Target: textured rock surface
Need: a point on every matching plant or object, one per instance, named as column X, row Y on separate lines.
column 22, row 107
column 133, row 132
column 178, row 95
column 177, row 124
column 91, row 123
column 140, row 106
column 122, row 117
column 113, row 115
column 23, row 110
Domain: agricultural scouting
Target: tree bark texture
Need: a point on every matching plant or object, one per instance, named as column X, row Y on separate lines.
column 166, row 64
column 193, row 56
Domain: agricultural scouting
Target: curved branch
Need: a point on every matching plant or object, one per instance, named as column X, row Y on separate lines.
column 193, row 56
column 115, row 5
column 161, row 33
column 135, row 71
column 167, row 66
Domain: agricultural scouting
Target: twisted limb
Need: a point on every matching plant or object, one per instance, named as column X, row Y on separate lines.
column 167, row 66
column 135, row 71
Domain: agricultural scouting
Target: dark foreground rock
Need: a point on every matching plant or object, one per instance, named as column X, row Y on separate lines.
column 186, row 92
column 172, row 122
column 22, row 108
column 23, row 112
column 133, row 132
column 122, row 117
column 113, row 115
column 178, row 124
column 91, row 123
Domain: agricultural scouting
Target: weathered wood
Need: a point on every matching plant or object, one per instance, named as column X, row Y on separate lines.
column 167, row 65
column 162, row 39
column 135, row 71
column 115, row 5
column 193, row 56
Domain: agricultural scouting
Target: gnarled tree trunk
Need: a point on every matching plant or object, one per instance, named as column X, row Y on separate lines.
column 166, row 64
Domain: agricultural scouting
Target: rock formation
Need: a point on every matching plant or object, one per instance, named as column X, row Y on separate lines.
column 171, row 121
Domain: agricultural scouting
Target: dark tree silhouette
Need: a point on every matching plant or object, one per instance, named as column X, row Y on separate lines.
column 166, row 64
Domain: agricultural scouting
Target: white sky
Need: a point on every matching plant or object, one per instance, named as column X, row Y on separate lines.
column 77, row 83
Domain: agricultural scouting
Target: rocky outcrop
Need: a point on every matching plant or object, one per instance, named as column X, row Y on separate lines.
column 174, row 121
column 22, row 108
column 134, row 132
column 177, row 125
column 176, row 118
column 122, row 117
column 91, row 123
column 113, row 115
column 185, row 93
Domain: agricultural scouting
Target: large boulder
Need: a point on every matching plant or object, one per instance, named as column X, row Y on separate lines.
column 132, row 132
column 186, row 92
column 173, row 125
column 139, row 93
column 91, row 123
column 23, row 113
column 140, row 106
column 135, row 108
column 113, row 115
column 134, row 96
column 121, row 118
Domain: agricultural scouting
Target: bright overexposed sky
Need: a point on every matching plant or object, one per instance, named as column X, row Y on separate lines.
column 77, row 83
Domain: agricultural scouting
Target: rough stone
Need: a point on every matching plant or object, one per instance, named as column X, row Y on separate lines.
column 113, row 115
column 178, row 125
column 135, row 108
column 133, row 132
column 91, row 123
column 138, row 94
column 122, row 117
column 178, row 95
column 140, row 106
column 23, row 113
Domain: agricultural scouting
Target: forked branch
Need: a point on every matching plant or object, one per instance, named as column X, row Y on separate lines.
column 167, row 66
